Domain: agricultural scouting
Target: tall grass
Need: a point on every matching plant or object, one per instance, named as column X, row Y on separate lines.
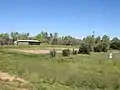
column 79, row 72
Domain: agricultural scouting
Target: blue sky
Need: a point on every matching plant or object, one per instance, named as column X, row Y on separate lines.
column 67, row 17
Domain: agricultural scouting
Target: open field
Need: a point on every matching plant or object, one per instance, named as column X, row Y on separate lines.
column 38, row 47
column 41, row 72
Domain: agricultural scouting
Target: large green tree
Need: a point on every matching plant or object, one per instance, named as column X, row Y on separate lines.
column 42, row 36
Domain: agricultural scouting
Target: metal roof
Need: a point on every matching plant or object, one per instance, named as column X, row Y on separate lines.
column 28, row 41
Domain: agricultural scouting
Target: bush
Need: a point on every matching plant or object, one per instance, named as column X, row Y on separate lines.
column 98, row 48
column 104, row 47
column 101, row 47
column 84, row 48
column 53, row 53
column 66, row 52
column 74, row 52
column 115, row 45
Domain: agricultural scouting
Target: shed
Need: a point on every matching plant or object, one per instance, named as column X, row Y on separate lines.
column 27, row 42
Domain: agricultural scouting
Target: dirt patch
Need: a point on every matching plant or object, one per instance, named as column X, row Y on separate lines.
column 41, row 51
column 8, row 78
column 35, row 51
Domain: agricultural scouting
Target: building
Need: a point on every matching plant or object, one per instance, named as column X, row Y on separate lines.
column 27, row 42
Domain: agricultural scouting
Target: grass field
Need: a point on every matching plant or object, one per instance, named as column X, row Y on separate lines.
column 80, row 72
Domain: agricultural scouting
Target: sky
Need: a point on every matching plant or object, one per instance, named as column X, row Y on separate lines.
column 78, row 18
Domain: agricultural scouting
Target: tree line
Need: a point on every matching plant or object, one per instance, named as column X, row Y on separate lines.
column 94, row 43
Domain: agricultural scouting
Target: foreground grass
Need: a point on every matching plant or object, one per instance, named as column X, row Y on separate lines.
column 81, row 72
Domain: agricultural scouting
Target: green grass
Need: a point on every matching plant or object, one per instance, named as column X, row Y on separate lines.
column 78, row 72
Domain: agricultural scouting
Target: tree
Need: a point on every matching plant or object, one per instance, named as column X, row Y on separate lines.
column 39, row 37
column 67, row 40
column 55, row 39
column 4, row 38
column 97, row 40
column 43, row 36
column 50, row 38
column 115, row 43
column 98, row 48
column 84, row 48
column 104, row 46
column 101, row 47
column 24, row 36
column 90, row 41
column 14, row 36
column 115, row 39
column 105, row 38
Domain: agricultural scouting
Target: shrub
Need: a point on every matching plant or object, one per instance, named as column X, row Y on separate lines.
column 101, row 47
column 53, row 53
column 104, row 47
column 74, row 52
column 98, row 48
column 115, row 45
column 66, row 52
column 84, row 48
